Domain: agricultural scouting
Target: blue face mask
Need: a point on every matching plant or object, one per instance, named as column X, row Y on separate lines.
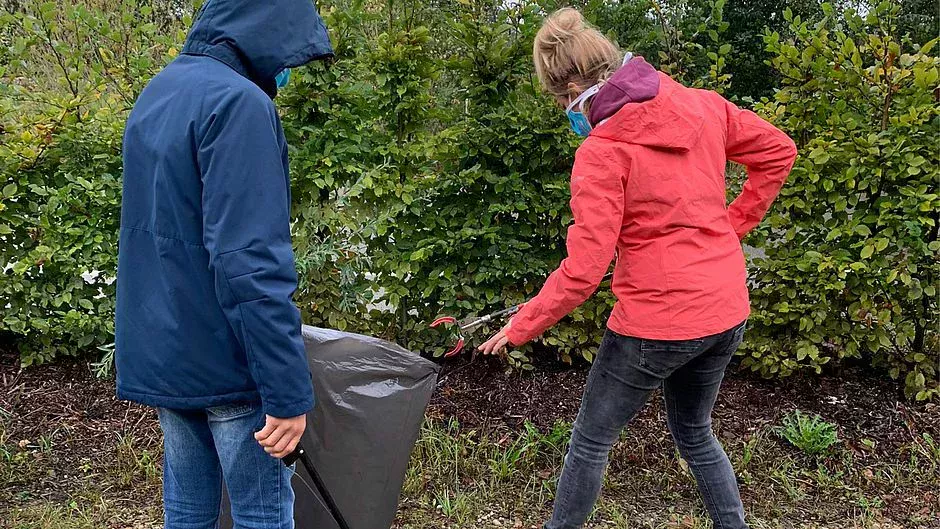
column 575, row 111
column 282, row 78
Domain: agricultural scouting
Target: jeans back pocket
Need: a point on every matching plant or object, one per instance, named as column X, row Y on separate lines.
column 662, row 357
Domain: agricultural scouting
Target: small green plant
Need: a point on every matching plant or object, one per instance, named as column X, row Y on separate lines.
column 555, row 442
column 452, row 505
column 926, row 450
column 135, row 464
column 510, row 456
column 104, row 368
column 17, row 463
column 811, row 434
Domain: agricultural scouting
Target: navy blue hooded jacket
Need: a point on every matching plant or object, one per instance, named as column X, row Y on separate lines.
column 206, row 273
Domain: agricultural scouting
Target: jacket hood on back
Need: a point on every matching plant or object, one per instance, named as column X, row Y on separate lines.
column 634, row 82
column 258, row 39
column 665, row 120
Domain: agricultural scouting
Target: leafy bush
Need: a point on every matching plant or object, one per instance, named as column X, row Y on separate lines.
column 430, row 177
column 60, row 211
column 63, row 106
column 851, row 247
column 811, row 434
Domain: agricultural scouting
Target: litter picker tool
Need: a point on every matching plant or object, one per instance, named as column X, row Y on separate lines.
column 468, row 326
column 301, row 454
column 461, row 328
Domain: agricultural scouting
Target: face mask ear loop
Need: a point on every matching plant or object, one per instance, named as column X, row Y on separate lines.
column 579, row 101
column 571, row 104
column 589, row 93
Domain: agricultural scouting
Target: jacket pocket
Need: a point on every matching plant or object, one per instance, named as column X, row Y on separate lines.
column 248, row 273
column 662, row 357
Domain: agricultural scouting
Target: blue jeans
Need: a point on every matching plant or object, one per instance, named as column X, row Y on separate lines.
column 624, row 374
column 201, row 448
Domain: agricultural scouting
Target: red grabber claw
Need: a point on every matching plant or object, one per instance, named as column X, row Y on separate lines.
column 443, row 319
column 455, row 350
column 460, row 341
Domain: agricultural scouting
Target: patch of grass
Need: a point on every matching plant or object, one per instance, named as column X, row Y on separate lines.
column 498, row 478
column 134, row 464
column 88, row 509
column 453, row 505
column 811, row 434
column 521, row 453
column 49, row 516
column 925, row 453
column 490, row 478
column 19, row 460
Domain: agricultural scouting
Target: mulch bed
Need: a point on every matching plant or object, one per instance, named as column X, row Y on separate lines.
column 480, row 391
column 64, row 406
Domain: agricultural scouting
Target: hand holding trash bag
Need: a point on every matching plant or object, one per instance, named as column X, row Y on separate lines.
column 371, row 397
column 279, row 437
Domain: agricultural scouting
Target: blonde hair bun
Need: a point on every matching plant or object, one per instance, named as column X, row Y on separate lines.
column 567, row 49
column 565, row 22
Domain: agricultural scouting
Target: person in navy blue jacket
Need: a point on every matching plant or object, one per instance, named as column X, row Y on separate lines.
column 206, row 329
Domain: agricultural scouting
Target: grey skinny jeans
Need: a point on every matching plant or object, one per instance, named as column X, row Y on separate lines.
column 624, row 374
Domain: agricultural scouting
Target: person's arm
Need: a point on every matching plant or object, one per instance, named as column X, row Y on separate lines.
column 768, row 155
column 597, row 203
column 246, row 231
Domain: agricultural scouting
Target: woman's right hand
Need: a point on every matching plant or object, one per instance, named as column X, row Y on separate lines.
column 497, row 343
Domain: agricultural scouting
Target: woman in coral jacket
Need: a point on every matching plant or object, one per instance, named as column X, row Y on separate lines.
column 648, row 188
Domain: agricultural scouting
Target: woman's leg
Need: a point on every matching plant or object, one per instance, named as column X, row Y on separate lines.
column 690, row 394
column 619, row 384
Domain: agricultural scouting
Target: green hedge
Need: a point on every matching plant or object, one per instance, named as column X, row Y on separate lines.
column 58, row 221
column 851, row 264
column 431, row 178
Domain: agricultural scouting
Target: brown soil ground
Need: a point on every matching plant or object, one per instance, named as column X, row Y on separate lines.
column 99, row 439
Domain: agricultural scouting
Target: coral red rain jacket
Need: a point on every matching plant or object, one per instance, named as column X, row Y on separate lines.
column 648, row 187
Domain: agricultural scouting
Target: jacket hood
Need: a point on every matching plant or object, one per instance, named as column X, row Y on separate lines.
column 670, row 120
column 259, row 38
column 636, row 81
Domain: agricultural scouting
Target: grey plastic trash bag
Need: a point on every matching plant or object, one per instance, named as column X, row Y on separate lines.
column 371, row 396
